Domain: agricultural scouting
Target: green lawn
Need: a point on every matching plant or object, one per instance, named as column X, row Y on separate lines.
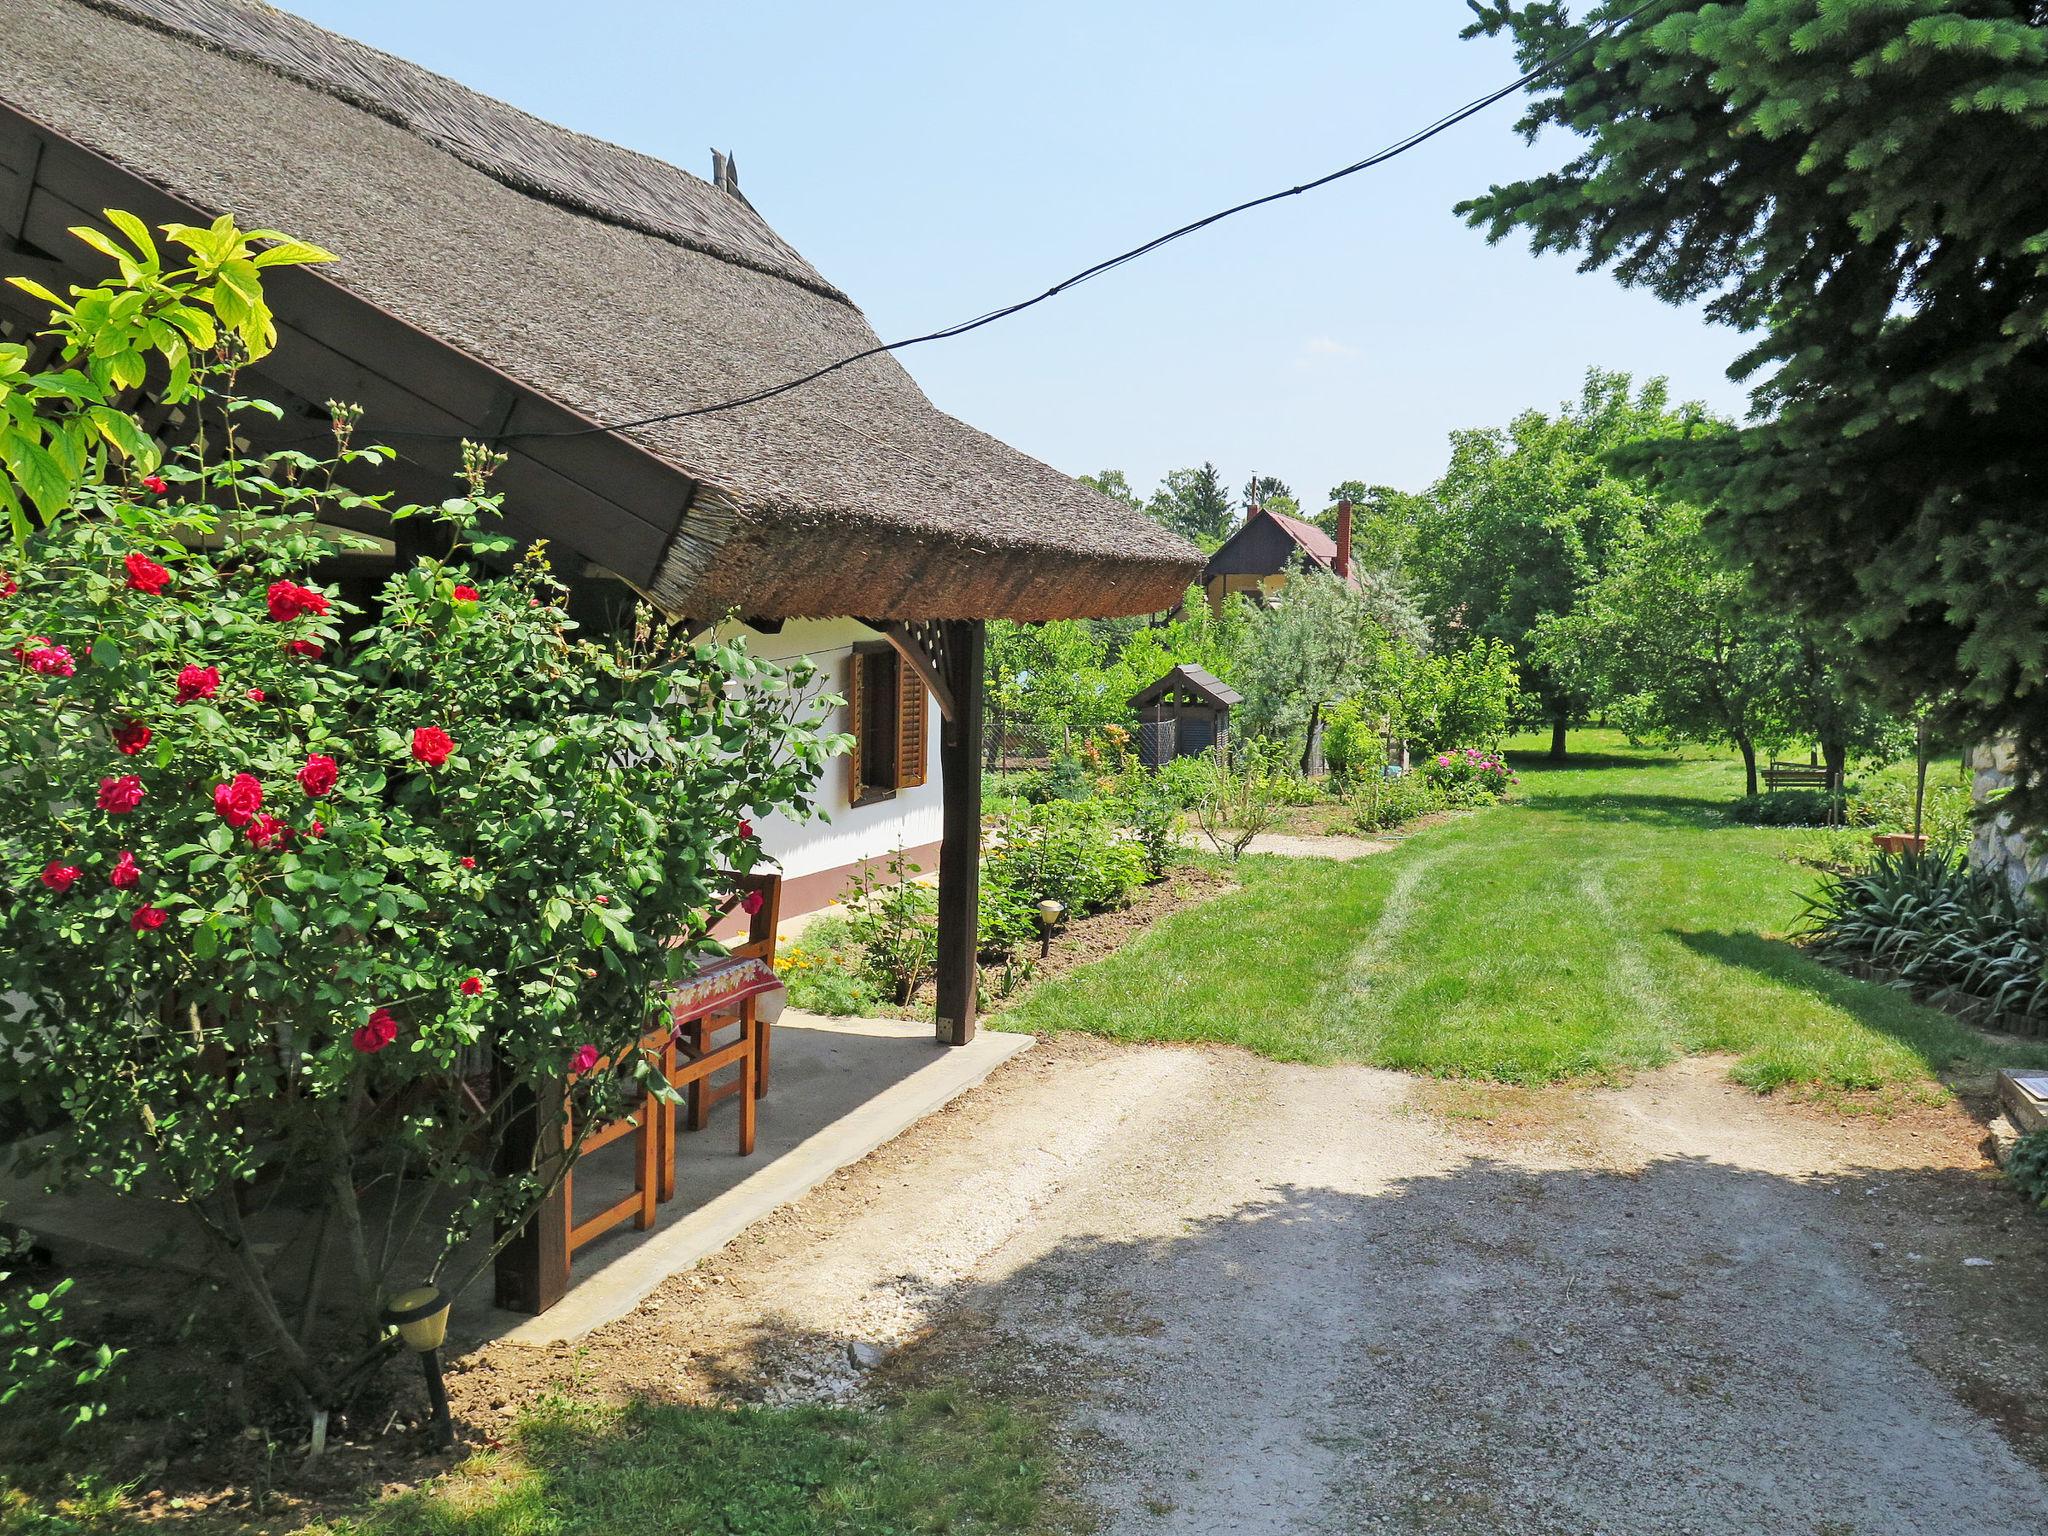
column 1610, row 918
column 944, row 1460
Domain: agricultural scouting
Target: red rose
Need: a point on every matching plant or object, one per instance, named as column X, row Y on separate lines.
column 148, row 919
column 472, row 986
column 465, row 593
column 125, row 872
column 238, row 799
column 310, row 648
column 59, row 876
column 50, row 660
column 154, row 484
column 132, row 737
column 318, row 776
column 198, row 683
column 8, row 585
column 431, row 745
column 316, row 828
column 379, row 1031
column 288, row 600
column 119, row 796
column 751, row 902
column 466, row 862
column 582, row 1059
column 603, row 901
column 254, row 695
column 145, row 575
column 267, row 832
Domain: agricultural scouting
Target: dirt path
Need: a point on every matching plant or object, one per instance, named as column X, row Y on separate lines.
column 1265, row 1298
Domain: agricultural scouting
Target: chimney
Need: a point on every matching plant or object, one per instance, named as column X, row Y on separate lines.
column 1344, row 540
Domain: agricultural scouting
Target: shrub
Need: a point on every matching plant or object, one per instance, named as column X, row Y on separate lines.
column 826, row 972
column 1241, row 799
column 48, row 1371
column 1074, row 854
column 1468, row 776
column 1067, row 778
column 1934, row 922
column 895, row 920
column 1185, row 779
column 1152, row 813
column 1886, row 804
column 278, row 864
column 2028, row 1166
column 1786, row 808
column 1354, row 746
column 1383, row 802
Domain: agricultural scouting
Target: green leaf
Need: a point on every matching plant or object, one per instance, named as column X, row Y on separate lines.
column 34, row 289
column 287, row 253
column 136, row 231
column 126, row 434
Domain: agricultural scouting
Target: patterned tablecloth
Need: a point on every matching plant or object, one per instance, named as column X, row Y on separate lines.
column 722, row 983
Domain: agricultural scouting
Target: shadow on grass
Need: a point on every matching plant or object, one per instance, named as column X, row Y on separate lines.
column 1938, row 1038
column 1542, row 762
column 1664, row 810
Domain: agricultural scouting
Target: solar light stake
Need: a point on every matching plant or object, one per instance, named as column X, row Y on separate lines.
column 1049, row 914
column 421, row 1317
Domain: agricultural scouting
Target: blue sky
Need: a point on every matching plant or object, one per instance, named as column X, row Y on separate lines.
column 935, row 161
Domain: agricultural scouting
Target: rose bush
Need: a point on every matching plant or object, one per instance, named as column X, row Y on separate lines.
column 1468, row 776
column 282, row 859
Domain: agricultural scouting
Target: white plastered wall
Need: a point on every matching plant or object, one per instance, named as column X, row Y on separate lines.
column 909, row 820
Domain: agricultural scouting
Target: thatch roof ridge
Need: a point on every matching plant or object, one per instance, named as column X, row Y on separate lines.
column 851, row 495
column 542, row 159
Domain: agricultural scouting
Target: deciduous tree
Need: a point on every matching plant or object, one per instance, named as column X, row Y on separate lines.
column 1857, row 184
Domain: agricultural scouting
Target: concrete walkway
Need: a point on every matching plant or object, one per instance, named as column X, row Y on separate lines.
column 841, row 1088
column 1293, row 845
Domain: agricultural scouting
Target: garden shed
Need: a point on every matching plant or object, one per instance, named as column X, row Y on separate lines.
column 592, row 312
column 1184, row 714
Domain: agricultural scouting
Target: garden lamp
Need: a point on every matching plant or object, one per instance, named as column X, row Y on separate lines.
column 1049, row 914
column 421, row 1317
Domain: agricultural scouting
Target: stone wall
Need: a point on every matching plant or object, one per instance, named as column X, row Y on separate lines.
column 1999, row 846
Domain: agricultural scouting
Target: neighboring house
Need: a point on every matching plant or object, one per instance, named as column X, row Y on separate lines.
column 1268, row 548
column 507, row 280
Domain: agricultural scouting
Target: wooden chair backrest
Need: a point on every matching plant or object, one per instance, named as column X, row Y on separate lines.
column 759, row 943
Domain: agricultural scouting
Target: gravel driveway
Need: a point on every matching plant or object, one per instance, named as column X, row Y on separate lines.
column 1265, row 1298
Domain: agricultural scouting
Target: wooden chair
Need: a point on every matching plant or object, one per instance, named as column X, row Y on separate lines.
column 690, row 1071
column 651, row 1125
column 695, row 1035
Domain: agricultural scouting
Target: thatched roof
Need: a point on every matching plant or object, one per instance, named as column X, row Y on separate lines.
column 608, row 283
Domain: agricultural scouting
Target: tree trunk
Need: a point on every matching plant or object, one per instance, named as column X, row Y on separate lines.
column 1557, row 729
column 1748, row 760
column 1834, row 755
column 1308, row 748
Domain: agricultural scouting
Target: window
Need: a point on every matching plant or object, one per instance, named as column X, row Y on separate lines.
column 885, row 702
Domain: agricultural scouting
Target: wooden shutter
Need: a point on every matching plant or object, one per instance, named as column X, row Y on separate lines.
column 910, row 726
column 854, row 668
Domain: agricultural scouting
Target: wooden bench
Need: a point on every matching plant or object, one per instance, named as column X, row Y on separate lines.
column 1798, row 776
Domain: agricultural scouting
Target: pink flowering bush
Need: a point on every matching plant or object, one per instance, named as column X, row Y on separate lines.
column 281, row 853
column 1468, row 776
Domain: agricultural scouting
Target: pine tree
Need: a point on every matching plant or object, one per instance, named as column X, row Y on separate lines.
column 1858, row 184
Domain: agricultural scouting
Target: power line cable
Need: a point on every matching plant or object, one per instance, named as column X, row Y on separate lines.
column 1402, row 146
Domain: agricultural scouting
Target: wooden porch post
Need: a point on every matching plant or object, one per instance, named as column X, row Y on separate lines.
column 532, row 1272
column 960, row 747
